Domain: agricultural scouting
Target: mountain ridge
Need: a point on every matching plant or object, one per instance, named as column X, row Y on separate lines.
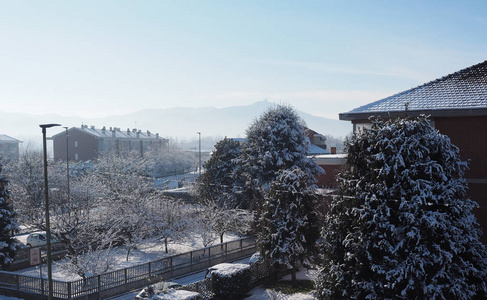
column 180, row 122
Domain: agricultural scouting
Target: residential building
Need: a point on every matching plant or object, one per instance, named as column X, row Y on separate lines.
column 86, row 143
column 457, row 106
column 316, row 141
column 9, row 147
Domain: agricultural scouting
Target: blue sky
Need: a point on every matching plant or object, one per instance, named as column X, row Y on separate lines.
column 98, row 58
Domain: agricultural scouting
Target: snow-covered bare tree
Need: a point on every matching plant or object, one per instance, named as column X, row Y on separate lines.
column 168, row 219
column 7, row 223
column 205, row 221
column 289, row 223
column 171, row 161
column 26, row 179
column 241, row 221
column 402, row 226
column 275, row 141
column 85, row 228
column 131, row 217
column 219, row 182
column 130, row 190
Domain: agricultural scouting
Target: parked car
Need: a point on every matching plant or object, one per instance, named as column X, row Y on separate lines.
column 37, row 239
column 152, row 290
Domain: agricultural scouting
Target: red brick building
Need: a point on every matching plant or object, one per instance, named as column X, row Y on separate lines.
column 86, row 143
column 457, row 105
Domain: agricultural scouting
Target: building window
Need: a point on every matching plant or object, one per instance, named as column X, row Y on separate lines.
column 76, row 144
column 76, row 156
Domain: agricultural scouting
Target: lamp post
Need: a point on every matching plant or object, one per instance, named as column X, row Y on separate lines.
column 67, row 160
column 46, row 196
column 199, row 152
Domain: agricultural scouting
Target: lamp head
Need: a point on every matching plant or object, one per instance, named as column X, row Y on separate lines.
column 44, row 126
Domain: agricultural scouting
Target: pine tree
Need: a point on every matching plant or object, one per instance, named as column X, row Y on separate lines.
column 290, row 221
column 275, row 141
column 219, row 183
column 7, row 224
column 402, row 226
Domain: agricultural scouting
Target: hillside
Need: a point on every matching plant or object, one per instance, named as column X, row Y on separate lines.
column 175, row 122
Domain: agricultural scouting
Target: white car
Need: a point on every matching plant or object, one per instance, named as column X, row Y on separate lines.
column 37, row 239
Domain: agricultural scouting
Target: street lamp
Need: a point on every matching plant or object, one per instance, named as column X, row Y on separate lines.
column 46, row 196
column 199, row 134
column 67, row 159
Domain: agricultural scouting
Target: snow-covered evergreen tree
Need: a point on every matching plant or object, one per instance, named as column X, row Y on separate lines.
column 7, row 224
column 289, row 222
column 402, row 226
column 218, row 183
column 275, row 141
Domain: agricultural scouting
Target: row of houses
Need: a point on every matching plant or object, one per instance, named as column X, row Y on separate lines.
column 87, row 142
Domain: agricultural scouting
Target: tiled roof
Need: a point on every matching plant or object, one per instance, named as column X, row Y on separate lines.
column 465, row 89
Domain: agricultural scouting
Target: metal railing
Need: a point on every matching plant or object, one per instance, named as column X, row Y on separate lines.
column 119, row 281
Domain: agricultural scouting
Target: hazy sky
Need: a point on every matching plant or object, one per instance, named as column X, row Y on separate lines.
column 98, row 58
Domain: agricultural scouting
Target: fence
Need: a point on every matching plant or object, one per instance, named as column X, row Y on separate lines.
column 119, row 281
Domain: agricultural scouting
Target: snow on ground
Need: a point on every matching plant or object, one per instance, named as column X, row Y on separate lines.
column 260, row 293
column 148, row 250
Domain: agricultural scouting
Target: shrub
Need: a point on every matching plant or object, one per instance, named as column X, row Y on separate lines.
column 230, row 280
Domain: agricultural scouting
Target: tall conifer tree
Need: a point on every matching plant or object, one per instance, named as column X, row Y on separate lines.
column 402, row 226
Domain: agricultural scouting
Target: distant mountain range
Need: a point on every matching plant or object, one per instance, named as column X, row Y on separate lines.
column 176, row 122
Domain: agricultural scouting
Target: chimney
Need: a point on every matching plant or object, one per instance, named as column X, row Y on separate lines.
column 333, row 150
column 93, row 127
column 148, row 132
column 157, row 135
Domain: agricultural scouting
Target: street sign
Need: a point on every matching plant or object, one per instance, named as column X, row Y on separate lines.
column 35, row 256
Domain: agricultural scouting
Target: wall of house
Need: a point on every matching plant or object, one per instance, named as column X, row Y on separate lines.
column 9, row 150
column 470, row 135
column 328, row 180
column 81, row 146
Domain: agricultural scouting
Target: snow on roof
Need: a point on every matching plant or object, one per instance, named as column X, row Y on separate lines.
column 313, row 149
column 465, row 89
column 117, row 133
column 330, row 159
column 8, row 139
